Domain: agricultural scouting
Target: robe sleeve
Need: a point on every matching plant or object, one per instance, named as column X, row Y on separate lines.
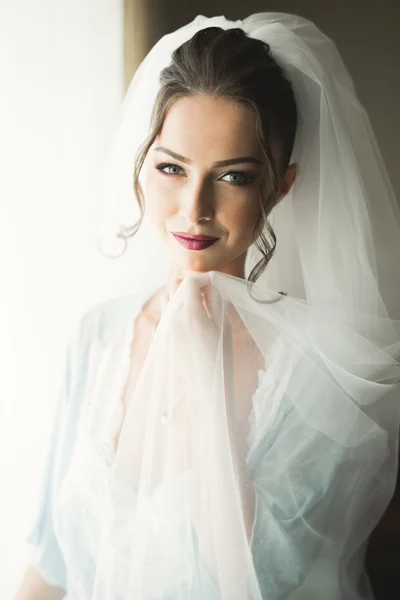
column 312, row 494
column 45, row 554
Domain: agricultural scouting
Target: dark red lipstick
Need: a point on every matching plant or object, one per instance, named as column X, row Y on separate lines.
column 194, row 242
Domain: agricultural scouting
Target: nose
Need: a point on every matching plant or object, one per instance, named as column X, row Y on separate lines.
column 196, row 203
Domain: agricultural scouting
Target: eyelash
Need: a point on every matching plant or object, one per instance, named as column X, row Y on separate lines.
column 247, row 178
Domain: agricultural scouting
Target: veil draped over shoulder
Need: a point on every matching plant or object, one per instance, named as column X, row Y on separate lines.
column 259, row 445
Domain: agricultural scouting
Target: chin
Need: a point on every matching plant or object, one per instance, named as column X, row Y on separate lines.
column 196, row 265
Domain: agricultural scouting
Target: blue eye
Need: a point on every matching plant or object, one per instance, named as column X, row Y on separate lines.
column 163, row 166
column 238, row 177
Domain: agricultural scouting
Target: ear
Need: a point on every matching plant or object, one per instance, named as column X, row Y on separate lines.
column 287, row 181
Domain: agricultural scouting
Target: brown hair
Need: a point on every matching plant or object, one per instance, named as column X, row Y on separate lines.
column 232, row 65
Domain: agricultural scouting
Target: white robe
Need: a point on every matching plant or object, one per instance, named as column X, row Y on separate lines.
column 319, row 456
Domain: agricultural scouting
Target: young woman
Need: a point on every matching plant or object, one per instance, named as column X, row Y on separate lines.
column 222, row 435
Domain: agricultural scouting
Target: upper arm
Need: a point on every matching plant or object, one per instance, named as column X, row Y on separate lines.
column 45, row 554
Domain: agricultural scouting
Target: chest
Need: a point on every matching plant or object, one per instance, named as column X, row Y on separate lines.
column 245, row 364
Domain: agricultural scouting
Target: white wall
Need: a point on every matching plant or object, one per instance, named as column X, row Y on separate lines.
column 62, row 82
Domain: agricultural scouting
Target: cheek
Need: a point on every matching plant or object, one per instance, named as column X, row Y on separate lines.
column 158, row 201
column 243, row 217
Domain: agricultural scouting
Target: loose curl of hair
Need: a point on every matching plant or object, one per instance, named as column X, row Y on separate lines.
column 231, row 65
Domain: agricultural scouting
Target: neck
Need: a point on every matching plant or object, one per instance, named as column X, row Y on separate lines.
column 234, row 268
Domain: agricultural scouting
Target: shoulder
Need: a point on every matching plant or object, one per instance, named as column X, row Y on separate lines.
column 102, row 321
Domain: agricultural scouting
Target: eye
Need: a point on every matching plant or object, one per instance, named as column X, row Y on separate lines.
column 173, row 169
column 238, row 177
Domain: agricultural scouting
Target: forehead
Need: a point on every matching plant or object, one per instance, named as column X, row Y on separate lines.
column 210, row 127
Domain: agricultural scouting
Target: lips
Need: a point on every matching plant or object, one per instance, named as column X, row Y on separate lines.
column 189, row 236
column 194, row 242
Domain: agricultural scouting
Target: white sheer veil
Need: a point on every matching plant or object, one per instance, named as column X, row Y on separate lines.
column 236, row 476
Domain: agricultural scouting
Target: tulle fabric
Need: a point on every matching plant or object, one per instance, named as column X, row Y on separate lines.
column 258, row 447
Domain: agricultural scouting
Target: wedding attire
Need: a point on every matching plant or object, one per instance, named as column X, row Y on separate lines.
column 259, row 445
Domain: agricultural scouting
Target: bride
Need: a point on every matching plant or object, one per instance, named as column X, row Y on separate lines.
column 226, row 434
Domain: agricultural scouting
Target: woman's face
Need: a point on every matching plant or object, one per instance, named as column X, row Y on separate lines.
column 203, row 177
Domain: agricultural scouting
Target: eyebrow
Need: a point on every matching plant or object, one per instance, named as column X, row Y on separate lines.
column 218, row 163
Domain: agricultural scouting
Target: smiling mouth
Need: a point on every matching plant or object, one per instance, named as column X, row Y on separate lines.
column 190, row 236
column 198, row 242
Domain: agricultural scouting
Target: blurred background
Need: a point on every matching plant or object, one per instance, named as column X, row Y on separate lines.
column 65, row 66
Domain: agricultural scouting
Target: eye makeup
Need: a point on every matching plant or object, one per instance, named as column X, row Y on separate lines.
column 246, row 178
